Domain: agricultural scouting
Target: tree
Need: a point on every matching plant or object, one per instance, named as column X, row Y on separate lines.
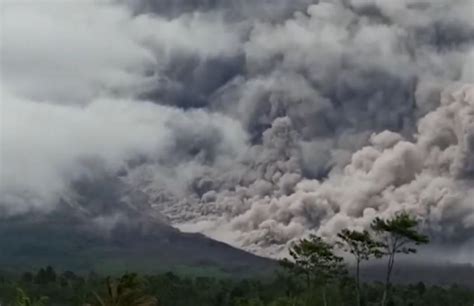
column 50, row 274
column 127, row 291
column 362, row 247
column 45, row 276
column 396, row 235
column 27, row 277
column 420, row 288
column 40, row 277
column 290, row 286
column 315, row 260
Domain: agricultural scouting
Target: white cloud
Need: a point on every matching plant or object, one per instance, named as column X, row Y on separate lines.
column 70, row 52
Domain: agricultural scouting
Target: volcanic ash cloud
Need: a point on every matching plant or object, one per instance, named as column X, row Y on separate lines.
column 430, row 176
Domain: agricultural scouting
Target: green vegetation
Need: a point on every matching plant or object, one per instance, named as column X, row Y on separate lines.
column 314, row 259
column 23, row 300
column 170, row 289
column 128, row 290
column 315, row 275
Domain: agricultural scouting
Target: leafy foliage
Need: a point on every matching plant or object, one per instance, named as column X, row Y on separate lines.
column 174, row 290
column 23, row 300
column 315, row 259
column 126, row 291
column 359, row 244
column 398, row 233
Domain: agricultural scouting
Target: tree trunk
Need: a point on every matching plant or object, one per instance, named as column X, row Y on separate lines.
column 325, row 302
column 391, row 261
column 358, row 282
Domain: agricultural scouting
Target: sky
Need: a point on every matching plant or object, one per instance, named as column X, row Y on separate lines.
column 253, row 122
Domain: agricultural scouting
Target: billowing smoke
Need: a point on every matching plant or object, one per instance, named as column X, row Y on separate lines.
column 431, row 177
column 254, row 122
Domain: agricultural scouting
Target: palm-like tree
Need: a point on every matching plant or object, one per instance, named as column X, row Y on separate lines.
column 126, row 291
column 23, row 300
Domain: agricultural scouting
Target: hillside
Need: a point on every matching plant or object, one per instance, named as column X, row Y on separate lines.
column 69, row 244
column 105, row 228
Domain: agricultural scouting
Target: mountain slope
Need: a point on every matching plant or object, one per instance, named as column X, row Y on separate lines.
column 69, row 244
column 105, row 228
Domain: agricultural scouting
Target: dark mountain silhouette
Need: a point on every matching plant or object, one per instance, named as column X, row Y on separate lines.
column 104, row 228
column 70, row 243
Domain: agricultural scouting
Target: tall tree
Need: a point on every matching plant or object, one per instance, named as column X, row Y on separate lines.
column 397, row 236
column 362, row 247
column 314, row 258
